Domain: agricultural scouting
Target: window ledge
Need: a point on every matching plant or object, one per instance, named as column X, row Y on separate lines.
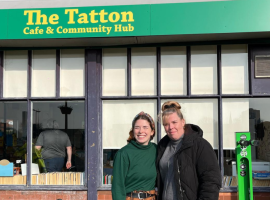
column 227, row 189
column 255, row 189
column 105, row 187
column 43, row 187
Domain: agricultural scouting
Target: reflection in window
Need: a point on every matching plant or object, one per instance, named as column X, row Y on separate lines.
column 235, row 119
column 256, row 118
column 58, row 130
column 13, row 142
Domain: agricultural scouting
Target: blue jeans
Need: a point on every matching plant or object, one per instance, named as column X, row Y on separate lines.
column 54, row 164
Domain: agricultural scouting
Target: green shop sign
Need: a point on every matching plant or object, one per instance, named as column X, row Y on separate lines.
column 136, row 20
column 78, row 22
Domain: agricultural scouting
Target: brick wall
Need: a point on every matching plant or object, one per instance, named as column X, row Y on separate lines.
column 106, row 195
column 40, row 195
column 82, row 195
column 102, row 195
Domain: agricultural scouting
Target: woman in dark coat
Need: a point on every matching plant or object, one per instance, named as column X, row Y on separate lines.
column 187, row 166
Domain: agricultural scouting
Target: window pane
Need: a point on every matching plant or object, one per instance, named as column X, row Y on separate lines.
column 254, row 114
column 259, row 127
column 116, row 129
column 201, row 112
column 43, row 73
column 143, row 71
column 234, row 69
column 173, row 71
column 13, row 142
column 204, row 70
column 58, row 127
column 235, row 119
column 15, row 73
column 72, row 74
column 114, row 71
column 116, row 124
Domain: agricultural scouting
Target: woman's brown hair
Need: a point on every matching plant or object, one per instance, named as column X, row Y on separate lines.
column 143, row 116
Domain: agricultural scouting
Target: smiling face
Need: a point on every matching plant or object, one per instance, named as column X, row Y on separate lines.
column 174, row 126
column 142, row 131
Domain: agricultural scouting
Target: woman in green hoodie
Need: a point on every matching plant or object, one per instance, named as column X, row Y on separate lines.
column 134, row 172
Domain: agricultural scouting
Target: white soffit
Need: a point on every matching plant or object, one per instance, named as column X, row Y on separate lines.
column 15, row 4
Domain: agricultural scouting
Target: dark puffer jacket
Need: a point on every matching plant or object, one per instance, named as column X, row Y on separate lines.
column 196, row 171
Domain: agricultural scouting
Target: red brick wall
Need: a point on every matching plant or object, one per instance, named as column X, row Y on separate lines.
column 106, row 195
column 82, row 195
column 40, row 195
column 102, row 195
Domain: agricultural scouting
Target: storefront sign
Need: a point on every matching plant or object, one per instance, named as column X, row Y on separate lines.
column 79, row 22
column 137, row 20
column 239, row 16
column 3, row 25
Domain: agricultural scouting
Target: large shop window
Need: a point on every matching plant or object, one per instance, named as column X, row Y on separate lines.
column 240, row 115
column 117, row 120
column 13, row 142
column 58, row 130
column 15, row 73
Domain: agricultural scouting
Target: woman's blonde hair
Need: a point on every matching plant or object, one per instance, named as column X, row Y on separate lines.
column 168, row 108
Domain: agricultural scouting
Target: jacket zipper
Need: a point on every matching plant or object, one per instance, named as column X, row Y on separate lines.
column 180, row 181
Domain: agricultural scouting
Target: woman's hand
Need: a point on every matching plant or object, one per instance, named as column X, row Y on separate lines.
column 68, row 165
